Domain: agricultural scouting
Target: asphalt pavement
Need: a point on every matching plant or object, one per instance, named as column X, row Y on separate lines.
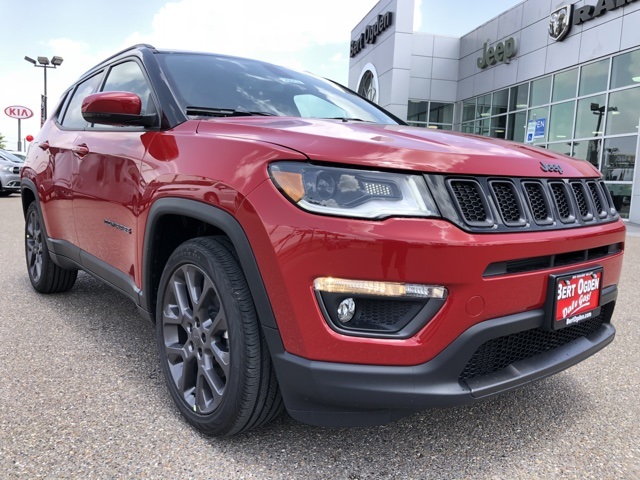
column 82, row 396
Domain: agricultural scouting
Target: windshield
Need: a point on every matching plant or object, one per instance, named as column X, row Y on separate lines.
column 202, row 81
column 9, row 157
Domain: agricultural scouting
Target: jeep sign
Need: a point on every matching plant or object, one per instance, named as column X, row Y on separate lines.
column 18, row 112
column 502, row 52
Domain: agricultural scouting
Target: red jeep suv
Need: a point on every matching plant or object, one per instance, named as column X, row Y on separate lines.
column 299, row 247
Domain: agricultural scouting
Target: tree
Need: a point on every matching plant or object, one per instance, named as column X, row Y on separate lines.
column 2, row 141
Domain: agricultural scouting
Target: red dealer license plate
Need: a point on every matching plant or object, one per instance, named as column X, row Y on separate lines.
column 576, row 297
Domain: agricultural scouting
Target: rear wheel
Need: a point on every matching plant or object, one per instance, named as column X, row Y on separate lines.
column 212, row 350
column 44, row 274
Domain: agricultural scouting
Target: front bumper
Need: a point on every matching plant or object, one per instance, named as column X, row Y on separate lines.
column 339, row 394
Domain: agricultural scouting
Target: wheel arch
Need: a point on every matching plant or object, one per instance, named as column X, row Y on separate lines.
column 29, row 195
column 162, row 216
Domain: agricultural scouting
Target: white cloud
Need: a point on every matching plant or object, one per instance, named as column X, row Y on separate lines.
column 258, row 29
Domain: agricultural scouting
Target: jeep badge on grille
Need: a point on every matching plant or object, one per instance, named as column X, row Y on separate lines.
column 550, row 167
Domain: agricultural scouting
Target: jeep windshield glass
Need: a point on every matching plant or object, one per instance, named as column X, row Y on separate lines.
column 214, row 83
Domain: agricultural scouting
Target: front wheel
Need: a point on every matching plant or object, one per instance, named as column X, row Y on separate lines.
column 44, row 274
column 212, row 350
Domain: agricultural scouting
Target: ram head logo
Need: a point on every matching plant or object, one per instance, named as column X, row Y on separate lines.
column 560, row 22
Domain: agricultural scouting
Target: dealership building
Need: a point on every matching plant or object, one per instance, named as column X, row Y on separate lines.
column 560, row 75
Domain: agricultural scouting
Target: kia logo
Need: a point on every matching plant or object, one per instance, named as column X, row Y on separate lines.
column 550, row 167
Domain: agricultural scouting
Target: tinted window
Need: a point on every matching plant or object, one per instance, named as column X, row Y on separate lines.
column 127, row 77
column 73, row 116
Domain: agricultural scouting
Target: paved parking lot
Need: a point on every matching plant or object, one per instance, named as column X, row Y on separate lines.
column 82, row 396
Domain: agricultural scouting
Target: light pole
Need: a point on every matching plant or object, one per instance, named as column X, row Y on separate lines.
column 43, row 62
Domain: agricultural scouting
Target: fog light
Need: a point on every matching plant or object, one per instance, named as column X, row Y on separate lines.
column 385, row 309
column 387, row 289
column 346, row 310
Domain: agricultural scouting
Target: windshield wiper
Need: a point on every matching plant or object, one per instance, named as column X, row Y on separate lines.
column 224, row 112
column 348, row 119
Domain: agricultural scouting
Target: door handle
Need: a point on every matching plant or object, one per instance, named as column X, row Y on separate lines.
column 80, row 150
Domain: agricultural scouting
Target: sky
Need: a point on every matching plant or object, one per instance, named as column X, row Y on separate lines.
column 310, row 35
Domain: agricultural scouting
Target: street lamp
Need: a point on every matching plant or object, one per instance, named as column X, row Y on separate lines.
column 44, row 63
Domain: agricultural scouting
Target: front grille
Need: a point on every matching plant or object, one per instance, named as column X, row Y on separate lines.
column 485, row 204
column 501, row 352
column 470, row 200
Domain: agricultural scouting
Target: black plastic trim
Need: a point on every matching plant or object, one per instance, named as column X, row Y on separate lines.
column 423, row 311
column 221, row 220
column 339, row 394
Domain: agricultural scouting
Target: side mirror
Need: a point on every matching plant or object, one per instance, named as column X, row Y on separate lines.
column 116, row 108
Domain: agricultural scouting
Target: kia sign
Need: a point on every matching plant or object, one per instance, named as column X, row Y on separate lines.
column 18, row 112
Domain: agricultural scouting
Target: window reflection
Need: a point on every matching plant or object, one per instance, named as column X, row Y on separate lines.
column 519, row 97
column 593, row 78
column 561, row 121
column 540, row 90
column 589, row 116
column 619, row 158
column 623, row 112
column 621, row 196
column 626, row 69
column 500, row 100
column 564, row 85
column 517, row 126
column 468, row 109
column 588, row 150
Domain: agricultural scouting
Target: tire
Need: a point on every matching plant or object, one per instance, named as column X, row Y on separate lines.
column 212, row 350
column 44, row 274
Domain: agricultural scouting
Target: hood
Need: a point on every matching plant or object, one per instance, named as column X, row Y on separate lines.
column 400, row 147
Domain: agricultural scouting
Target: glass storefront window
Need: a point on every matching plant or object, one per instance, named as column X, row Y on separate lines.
column 482, row 127
column 590, row 116
column 564, row 85
column 484, row 106
column 499, row 126
column 619, row 158
column 519, row 97
column 500, row 102
column 588, row 150
column 621, row 196
column 561, row 121
column 540, row 90
column 626, row 69
column 517, row 126
column 564, row 148
column 467, row 128
column 623, row 112
column 441, row 112
column 538, row 114
column 417, row 111
column 593, row 78
column 468, row 109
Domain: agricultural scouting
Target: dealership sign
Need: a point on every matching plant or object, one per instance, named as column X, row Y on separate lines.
column 371, row 33
column 560, row 20
column 501, row 52
column 18, row 112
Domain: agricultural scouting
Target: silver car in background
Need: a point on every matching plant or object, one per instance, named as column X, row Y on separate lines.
column 10, row 167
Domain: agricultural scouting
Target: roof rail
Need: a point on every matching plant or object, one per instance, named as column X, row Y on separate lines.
column 133, row 47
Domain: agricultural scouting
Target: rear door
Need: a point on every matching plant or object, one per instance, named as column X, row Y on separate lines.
column 57, row 163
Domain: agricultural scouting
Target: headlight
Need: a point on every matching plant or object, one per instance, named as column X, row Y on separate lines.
column 7, row 168
column 353, row 193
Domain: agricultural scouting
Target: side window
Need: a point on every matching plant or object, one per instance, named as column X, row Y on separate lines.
column 127, row 77
column 73, row 116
